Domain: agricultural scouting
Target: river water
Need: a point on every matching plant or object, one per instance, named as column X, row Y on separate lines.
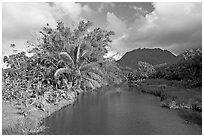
column 117, row 111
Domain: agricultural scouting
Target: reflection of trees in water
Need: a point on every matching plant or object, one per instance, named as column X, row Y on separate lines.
column 118, row 90
column 191, row 116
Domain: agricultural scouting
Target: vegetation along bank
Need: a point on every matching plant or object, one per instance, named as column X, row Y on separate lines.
column 178, row 85
column 65, row 62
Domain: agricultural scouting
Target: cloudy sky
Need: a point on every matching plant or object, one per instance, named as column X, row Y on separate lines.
column 172, row 26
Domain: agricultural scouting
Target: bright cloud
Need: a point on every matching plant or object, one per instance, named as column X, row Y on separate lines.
column 20, row 21
column 115, row 24
column 139, row 11
column 173, row 26
column 70, row 12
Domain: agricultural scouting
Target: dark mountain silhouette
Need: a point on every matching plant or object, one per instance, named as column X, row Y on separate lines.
column 153, row 56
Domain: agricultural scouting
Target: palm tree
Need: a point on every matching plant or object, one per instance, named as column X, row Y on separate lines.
column 78, row 67
column 79, row 51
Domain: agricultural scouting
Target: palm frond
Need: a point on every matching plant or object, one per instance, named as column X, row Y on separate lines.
column 66, row 57
column 85, row 53
column 95, row 76
column 78, row 53
column 62, row 71
column 90, row 65
column 94, row 84
column 93, row 70
column 87, row 49
column 89, row 84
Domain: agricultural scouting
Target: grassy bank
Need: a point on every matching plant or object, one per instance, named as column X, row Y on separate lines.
column 174, row 96
column 13, row 122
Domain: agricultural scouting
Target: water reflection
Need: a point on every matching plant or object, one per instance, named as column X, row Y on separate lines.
column 117, row 110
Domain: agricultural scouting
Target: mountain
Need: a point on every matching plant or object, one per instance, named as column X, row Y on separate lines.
column 153, row 56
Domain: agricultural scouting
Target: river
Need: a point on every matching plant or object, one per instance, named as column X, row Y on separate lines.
column 117, row 111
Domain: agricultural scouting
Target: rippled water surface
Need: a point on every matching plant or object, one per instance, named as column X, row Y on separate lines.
column 117, row 110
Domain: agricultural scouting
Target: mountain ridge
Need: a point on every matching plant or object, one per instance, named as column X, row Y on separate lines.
column 154, row 56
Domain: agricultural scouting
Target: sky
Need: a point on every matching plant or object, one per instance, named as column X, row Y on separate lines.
column 172, row 26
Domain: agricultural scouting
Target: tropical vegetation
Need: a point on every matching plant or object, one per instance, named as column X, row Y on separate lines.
column 188, row 69
column 66, row 60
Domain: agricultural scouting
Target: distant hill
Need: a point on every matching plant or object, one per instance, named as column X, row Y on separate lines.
column 153, row 56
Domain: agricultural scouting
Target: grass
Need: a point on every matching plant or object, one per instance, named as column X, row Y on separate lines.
column 174, row 95
column 12, row 131
column 172, row 90
column 25, row 126
column 14, row 123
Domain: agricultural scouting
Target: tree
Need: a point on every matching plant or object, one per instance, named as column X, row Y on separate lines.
column 77, row 69
column 190, row 67
column 78, row 52
column 187, row 69
column 145, row 69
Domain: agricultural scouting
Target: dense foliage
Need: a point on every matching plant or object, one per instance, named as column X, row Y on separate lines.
column 67, row 60
column 145, row 69
column 188, row 69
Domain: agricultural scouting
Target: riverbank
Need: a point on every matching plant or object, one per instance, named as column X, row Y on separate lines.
column 117, row 110
column 13, row 122
column 174, row 96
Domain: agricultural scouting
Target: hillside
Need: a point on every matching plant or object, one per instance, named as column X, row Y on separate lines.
column 153, row 56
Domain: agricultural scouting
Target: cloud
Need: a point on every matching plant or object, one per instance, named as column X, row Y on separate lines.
column 70, row 12
column 105, row 5
column 139, row 11
column 18, row 18
column 173, row 26
column 22, row 20
column 115, row 24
